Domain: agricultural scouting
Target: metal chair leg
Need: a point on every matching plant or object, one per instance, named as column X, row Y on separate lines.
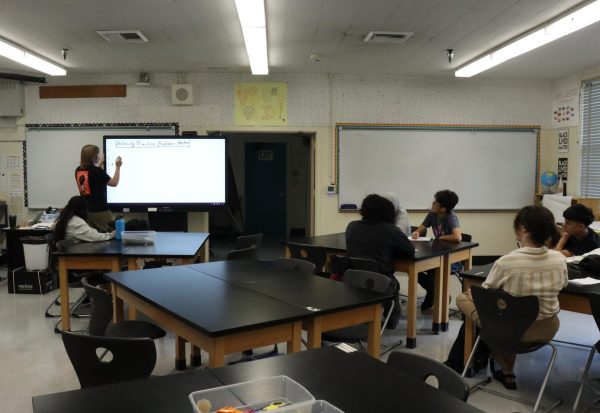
column 468, row 363
column 584, row 378
column 548, row 370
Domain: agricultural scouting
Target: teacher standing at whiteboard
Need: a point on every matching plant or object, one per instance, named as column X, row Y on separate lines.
column 92, row 181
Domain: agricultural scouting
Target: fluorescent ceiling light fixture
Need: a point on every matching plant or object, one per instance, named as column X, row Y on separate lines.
column 253, row 22
column 563, row 26
column 23, row 57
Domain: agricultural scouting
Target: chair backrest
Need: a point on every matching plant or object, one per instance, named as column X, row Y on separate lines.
column 305, row 267
column 422, row 368
column 466, row 237
column 63, row 243
column 341, row 263
column 312, row 253
column 503, row 317
column 241, row 254
column 245, row 241
column 126, row 359
column 102, row 311
column 369, row 280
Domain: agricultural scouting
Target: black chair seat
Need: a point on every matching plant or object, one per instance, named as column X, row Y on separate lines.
column 350, row 334
column 134, row 329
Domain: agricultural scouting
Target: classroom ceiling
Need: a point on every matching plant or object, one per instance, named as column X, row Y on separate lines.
column 205, row 36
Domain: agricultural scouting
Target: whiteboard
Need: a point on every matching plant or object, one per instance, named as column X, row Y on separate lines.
column 53, row 153
column 489, row 169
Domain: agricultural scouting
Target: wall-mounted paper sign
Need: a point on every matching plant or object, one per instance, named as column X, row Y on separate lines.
column 563, row 140
column 563, row 167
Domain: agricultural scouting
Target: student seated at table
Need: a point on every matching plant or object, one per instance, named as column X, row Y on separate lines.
column 444, row 223
column 377, row 237
column 71, row 224
column 402, row 220
column 532, row 269
column 577, row 237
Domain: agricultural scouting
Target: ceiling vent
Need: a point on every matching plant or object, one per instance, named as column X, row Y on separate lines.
column 182, row 94
column 123, row 36
column 387, row 37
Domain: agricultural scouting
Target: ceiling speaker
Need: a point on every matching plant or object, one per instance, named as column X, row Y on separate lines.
column 182, row 94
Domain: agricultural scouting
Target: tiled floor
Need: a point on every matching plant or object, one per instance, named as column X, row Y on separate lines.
column 33, row 360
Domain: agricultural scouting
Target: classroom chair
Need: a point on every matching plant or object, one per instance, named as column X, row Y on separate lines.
column 241, row 254
column 595, row 305
column 422, row 368
column 312, row 253
column 124, row 359
column 341, row 263
column 246, row 241
column 101, row 318
column 295, row 264
column 357, row 334
column 503, row 320
column 74, row 277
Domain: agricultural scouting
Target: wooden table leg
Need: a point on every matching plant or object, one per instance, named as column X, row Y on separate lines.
column 180, row 362
column 64, row 294
column 313, row 333
column 374, row 338
column 132, row 264
column 117, row 304
column 439, row 274
column 411, row 328
column 216, row 357
column 196, row 358
column 293, row 346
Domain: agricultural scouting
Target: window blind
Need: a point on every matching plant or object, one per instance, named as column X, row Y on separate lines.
column 590, row 139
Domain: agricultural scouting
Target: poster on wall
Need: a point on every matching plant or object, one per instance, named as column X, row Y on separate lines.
column 261, row 104
column 565, row 108
column 563, row 167
column 563, row 140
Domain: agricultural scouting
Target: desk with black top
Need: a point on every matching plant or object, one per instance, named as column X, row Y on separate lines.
column 571, row 298
column 212, row 314
column 435, row 255
column 107, row 255
column 332, row 304
column 354, row 382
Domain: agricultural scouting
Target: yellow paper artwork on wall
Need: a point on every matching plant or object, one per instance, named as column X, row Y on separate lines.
column 261, row 104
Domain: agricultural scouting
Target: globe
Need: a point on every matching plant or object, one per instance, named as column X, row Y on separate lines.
column 549, row 180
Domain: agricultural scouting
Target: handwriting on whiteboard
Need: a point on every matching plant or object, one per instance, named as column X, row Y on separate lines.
column 152, row 143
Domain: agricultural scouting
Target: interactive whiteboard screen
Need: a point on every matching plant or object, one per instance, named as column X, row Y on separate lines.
column 164, row 172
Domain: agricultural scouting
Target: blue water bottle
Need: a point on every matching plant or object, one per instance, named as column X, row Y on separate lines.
column 119, row 227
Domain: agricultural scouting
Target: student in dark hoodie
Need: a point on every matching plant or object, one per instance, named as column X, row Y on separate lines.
column 377, row 237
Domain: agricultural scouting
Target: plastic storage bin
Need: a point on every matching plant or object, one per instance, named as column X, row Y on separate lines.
column 257, row 394
column 321, row 406
column 35, row 250
column 139, row 237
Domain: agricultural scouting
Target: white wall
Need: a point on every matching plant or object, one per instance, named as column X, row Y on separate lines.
column 315, row 103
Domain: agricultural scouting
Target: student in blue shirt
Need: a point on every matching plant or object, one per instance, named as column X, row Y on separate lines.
column 444, row 223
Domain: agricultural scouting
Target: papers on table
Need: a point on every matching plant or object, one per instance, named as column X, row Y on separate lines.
column 584, row 281
column 577, row 258
column 421, row 239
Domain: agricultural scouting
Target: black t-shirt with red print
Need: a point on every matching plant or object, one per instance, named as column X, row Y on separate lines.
column 91, row 183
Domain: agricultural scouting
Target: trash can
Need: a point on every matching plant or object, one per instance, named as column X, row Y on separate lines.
column 36, row 253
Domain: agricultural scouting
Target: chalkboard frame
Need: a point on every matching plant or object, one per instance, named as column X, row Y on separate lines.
column 436, row 127
column 97, row 126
